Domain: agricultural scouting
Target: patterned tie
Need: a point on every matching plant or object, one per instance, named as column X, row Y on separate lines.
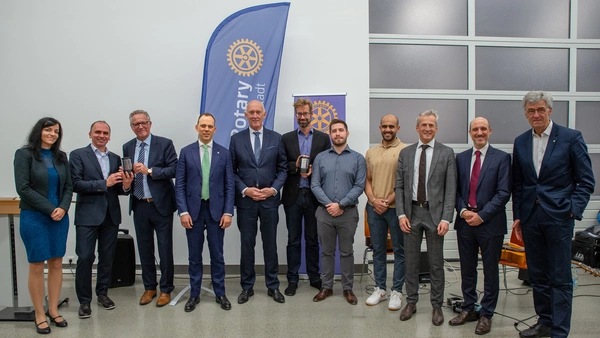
column 138, row 190
column 205, row 173
column 421, row 193
column 256, row 145
column 474, row 180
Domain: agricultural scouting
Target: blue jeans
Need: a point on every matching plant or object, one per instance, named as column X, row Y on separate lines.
column 378, row 226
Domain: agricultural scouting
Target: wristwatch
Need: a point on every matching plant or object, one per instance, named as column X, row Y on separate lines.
column 341, row 206
column 150, row 171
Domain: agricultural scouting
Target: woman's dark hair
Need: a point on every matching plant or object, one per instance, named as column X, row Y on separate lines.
column 34, row 140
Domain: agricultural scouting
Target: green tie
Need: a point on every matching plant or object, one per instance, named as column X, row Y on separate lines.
column 205, row 173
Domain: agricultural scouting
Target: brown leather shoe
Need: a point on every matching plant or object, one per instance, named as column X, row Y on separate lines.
column 147, row 297
column 463, row 317
column 163, row 299
column 437, row 317
column 350, row 297
column 408, row 311
column 484, row 325
column 324, row 293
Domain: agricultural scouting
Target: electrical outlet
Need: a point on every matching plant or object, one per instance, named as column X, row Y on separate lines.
column 70, row 259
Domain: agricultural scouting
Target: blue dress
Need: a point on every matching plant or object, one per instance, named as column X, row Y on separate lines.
column 43, row 237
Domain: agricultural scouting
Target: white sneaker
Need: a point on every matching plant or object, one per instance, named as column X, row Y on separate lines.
column 395, row 301
column 377, row 296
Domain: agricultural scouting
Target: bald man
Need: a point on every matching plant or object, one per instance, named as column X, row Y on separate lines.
column 483, row 189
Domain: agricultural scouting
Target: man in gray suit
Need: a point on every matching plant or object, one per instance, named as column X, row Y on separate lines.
column 425, row 196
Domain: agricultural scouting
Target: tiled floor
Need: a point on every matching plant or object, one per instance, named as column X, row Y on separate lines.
column 300, row 316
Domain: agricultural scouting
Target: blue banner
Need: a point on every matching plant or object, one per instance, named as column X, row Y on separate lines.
column 242, row 64
column 326, row 107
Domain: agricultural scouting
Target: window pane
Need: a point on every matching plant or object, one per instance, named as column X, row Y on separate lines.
column 451, row 126
column 508, row 121
column 588, row 70
column 588, row 121
column 418, row 67
column 587, row 19
column 417, row 17
column 526, row 19
column 596, row 168
column 503, row 68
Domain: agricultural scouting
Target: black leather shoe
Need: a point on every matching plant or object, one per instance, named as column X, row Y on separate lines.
column 538, row 330
column 190, row 305
column 317, row 284
column 85, row 311
column 291, row 289
column 225, row 304
column 245, row 295
column 42, row 330
column 106, row 302
column 277, row 296
column 62, row 323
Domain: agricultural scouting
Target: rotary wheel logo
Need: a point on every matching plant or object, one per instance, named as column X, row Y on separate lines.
column 323, row 113
column 245, row 57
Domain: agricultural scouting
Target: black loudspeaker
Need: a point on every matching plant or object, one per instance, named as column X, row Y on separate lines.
column 123, row 268
column 424, row 276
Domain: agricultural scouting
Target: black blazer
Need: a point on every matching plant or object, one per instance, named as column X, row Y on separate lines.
column 93, row 197
column 320, row 142
column 163, row 161
column 31, row 181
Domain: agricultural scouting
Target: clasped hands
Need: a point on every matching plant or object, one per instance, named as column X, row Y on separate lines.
column 259, row 194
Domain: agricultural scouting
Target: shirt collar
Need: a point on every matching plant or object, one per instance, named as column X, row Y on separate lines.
column 147, row 141
column 252, row 131
column 431, row 143
column 394, row 143
column 96, row 150
column 546, row 132
column 482, row 150
column 301, row 133
column 210, row 144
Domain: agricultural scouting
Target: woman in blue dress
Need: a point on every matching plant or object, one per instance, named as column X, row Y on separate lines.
column 43, row 181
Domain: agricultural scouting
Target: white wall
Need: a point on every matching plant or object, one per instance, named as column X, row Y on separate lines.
column 81, row 61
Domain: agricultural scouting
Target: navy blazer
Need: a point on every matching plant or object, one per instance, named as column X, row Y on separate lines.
column 566, row 179
column 320, row 142
column 493, row 190
column 93, row 197
column 271, row 171
column 163, row 161
column 188, row 183
column 31, row 181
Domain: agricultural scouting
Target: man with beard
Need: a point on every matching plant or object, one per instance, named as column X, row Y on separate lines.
column 298, row 201
column 339, row 176
column 382, row 163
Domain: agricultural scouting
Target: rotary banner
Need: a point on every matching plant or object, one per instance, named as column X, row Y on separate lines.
column 326, row 107
column 242, row 64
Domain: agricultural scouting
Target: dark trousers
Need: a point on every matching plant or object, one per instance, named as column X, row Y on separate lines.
column 195, row 239
column 247, row 220
column 148, row 220
column 85, row 245
column 421, row 222
column 548, row 253
column 303, row 208
column 470, row 239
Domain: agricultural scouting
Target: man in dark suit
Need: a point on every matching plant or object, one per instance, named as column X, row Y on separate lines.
column 425, row 196
column 483, row 189
column 260, row 169
column 552, row 184
column 153, row 204
column 298, row 200
column 205, row 190
column 98, row 179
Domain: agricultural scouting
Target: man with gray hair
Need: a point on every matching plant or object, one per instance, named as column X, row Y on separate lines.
column 552, row 184
column 153, row 204
column 425, row 195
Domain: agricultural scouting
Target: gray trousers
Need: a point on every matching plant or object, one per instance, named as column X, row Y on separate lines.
column 343, row 229
column 421, row 222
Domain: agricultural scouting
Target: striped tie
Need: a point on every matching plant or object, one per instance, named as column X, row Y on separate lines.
column 138, row 190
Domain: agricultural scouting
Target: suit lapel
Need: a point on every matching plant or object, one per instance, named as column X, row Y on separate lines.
column 434, row 159
column 215, row 158
column 549, row 147
column 152, row 154
column 248, row 143
column 529, row 152
column 489, row 157
column 92, row 157
column 196, row 157
column 411, row 163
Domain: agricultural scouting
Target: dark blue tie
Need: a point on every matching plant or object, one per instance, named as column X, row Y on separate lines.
column 256, row 145
column 138, row 190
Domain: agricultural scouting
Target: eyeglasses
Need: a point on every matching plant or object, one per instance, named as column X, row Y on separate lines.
column 303, row 114
column 540, row 110
column 140, row 124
